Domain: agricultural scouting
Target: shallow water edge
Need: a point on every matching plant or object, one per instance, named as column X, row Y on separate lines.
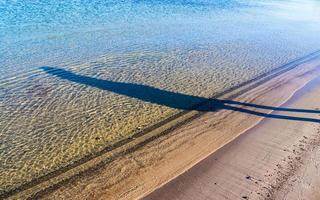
column 72, row 172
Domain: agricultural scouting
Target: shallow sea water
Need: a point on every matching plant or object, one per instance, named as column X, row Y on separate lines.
column 76, row 77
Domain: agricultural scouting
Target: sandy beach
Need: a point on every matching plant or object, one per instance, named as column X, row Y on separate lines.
column 276, row 159
column 256, row 146
column 126, row 99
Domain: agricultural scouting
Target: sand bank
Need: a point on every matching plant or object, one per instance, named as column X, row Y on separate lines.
column 136, row 169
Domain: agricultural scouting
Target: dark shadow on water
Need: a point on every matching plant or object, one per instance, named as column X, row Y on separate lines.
column 175, row 100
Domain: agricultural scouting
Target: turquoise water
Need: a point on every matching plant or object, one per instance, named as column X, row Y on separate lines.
column 36, row 33
column 57, row 57
column 32, row 31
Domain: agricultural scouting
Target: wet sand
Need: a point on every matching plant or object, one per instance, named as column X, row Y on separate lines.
column 138, row 168
column 54, row 117
column 72, row 93
column 276, row 159
column 81, row 92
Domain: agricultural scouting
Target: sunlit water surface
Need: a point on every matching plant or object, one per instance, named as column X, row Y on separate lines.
column 62, row 65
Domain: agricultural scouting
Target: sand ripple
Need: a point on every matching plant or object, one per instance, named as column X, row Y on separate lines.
column 47, row 122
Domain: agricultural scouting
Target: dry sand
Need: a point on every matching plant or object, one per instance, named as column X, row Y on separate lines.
column 264, row 159
column 276, row 159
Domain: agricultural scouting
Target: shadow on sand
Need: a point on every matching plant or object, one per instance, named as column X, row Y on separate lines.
column 175, row 100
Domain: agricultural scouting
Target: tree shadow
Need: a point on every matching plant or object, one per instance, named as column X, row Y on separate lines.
column 175, row 100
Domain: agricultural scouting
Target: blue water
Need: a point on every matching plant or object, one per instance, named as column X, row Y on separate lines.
column 32, row 31
column 77, row 76
column 50, row 32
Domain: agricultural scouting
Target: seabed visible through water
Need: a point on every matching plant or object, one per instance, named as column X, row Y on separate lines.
column 76, row 77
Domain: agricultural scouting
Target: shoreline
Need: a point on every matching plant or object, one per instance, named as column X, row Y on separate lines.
column 37, row 190
column 243, row 165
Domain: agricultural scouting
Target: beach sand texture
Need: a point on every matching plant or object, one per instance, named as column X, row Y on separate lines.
column 84, row 83
column 52, row 117
column 137, row 173
column 276, row 159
